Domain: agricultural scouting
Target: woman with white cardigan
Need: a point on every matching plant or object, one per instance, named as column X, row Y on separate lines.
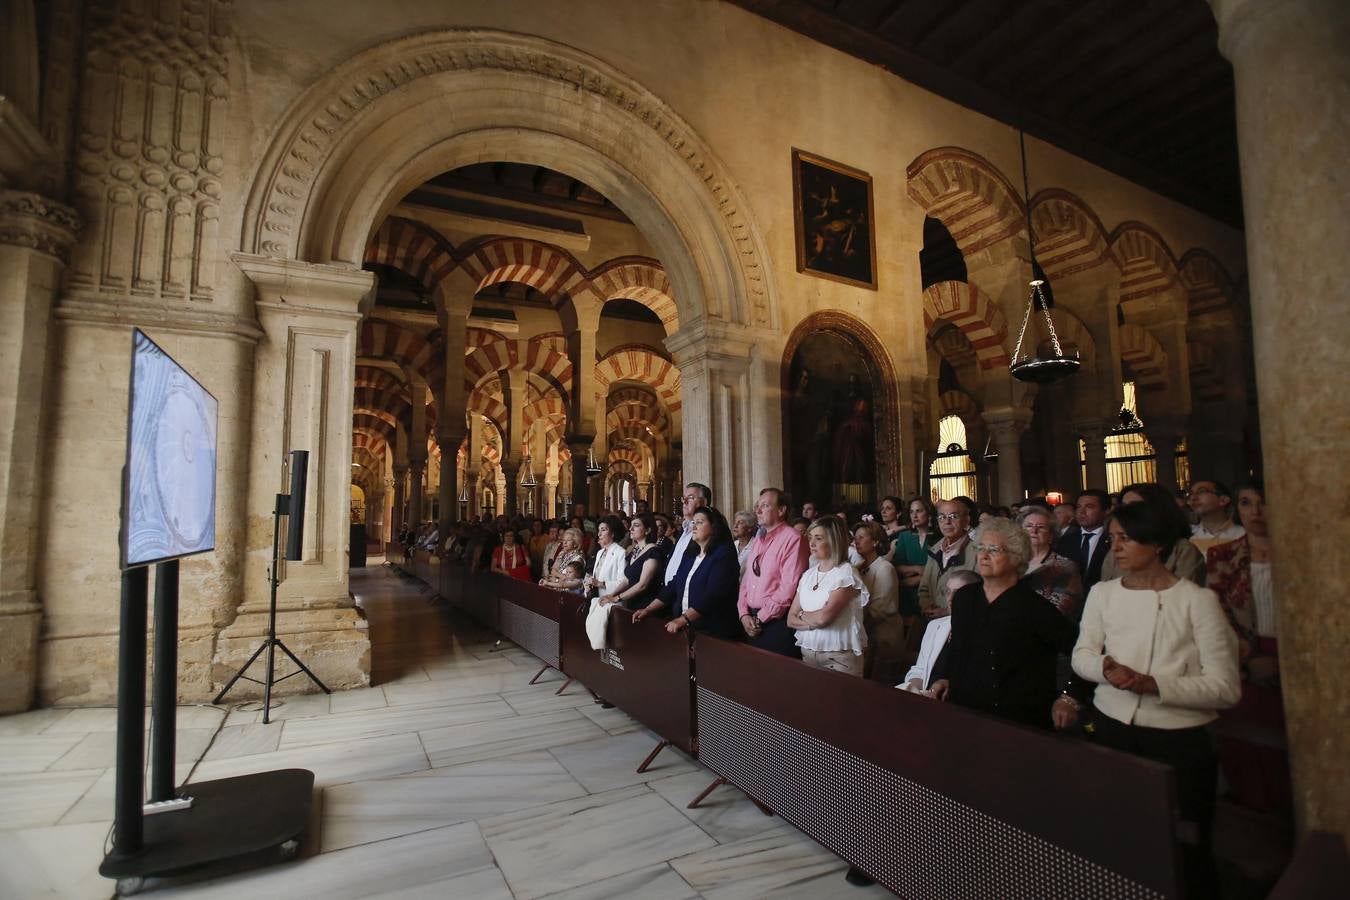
column 609, row 559
column 1165, row 660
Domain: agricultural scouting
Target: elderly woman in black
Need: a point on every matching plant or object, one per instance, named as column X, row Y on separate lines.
column 1003, row 621
column 702, row 595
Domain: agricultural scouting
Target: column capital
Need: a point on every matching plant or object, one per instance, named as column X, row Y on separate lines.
column 1007, row 423
column 293, row 287
column 1094, row 429
column 38, row 223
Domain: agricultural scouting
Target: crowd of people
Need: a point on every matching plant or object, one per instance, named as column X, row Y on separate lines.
column 1130, row 619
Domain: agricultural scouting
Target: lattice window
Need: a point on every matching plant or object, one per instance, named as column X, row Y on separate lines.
column 952, row 473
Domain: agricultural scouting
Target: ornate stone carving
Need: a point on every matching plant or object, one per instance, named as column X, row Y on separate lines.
column 149, row 153
column 60, row 78
column 323, row 119
column 33, row 221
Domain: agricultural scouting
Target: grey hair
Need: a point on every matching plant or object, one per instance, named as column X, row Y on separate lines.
column 1037, row 510
column 1015, row 540
column 747, row 517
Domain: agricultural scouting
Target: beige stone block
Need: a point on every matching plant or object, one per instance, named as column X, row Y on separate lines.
column 18, row 660
column 332, row 643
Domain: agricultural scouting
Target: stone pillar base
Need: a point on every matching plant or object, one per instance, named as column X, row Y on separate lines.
column 18, row 658
column 334, row 644
column 82, row 670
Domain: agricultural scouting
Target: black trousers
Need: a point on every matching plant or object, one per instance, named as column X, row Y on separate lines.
column 777, row 637
column 1191, row 754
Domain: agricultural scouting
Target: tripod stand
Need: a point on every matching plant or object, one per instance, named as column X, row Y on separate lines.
column 272, row 642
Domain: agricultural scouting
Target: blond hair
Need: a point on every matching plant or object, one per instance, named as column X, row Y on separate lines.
column 836, row 533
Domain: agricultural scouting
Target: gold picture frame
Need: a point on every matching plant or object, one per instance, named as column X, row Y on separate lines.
column 834, row 221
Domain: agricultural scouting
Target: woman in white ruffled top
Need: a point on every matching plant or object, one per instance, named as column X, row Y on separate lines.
column 827, row 612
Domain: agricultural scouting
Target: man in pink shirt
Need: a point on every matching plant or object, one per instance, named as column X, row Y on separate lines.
column 774, row 565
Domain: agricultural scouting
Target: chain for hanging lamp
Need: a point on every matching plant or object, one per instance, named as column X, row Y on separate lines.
column 1033, row 367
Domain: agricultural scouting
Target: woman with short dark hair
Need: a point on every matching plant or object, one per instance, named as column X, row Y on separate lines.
column 1182, row 559
column 1172, row 664
column 511, row 558
column 607, row 570
column 641, row 579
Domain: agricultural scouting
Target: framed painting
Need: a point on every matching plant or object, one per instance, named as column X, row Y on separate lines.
column 836, row 234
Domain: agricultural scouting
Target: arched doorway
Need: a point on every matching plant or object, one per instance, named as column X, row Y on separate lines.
column 398, row 114
column 841, row 443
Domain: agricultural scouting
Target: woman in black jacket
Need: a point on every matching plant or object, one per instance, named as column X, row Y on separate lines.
column 1006, row 638
column 702, row 595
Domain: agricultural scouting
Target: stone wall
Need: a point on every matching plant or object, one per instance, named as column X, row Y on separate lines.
column 691, row 110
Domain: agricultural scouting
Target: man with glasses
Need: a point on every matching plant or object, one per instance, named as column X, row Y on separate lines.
column 1212, row 504
column 695, row 496
column 953, row 552
column 774, row 564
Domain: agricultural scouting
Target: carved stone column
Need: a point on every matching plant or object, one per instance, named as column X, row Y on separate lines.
column 305, row 367
column 579, row 446
column 1165, row 433
column 1006, row 425
column 1292, row 77
column 35, row 237
column 449, row 486
column 718, row 413
column 417, row 471
column 400, row 480
column 1093, row 435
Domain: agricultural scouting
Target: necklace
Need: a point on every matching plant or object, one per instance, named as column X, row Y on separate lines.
column 820, row 577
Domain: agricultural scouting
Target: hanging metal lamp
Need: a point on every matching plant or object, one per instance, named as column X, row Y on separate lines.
column 528, row 479
column 592, row 467
column 1034, row 366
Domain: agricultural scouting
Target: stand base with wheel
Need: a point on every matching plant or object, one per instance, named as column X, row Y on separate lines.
column 251, row 820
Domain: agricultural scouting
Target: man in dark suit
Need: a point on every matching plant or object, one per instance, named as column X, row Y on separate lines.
column 1087, row 541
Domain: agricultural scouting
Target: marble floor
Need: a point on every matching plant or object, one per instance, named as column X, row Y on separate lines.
column 452, row 777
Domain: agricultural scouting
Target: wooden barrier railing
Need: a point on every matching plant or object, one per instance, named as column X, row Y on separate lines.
column 928, row 799
column 644, row 671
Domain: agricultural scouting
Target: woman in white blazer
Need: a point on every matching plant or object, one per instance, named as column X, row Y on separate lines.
column 1165, row 660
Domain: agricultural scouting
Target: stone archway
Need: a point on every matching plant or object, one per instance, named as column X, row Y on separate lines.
column 407, row 110
column 884, row 396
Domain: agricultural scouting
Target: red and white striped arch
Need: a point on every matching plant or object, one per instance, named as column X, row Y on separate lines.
column 643, row 366
column 547, row 269
column 413, row 248
column 974, row 314
column 1069, row 236
column 967, row 194
column 537, row 356
column 1146, row 263
column 1208, row 284
column 378, row 339
column 640, row 279
column 1146, row 357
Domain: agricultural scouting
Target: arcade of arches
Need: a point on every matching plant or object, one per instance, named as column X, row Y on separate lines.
column 467, row 256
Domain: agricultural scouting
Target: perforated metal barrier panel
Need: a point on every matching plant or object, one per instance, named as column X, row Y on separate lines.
column 918, row 842
column 528, row 629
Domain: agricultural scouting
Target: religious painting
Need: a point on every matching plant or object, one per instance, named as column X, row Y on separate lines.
column 830, row 407
column 832, row 206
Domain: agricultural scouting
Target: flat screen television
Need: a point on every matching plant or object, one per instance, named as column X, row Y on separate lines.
column 169, row 482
